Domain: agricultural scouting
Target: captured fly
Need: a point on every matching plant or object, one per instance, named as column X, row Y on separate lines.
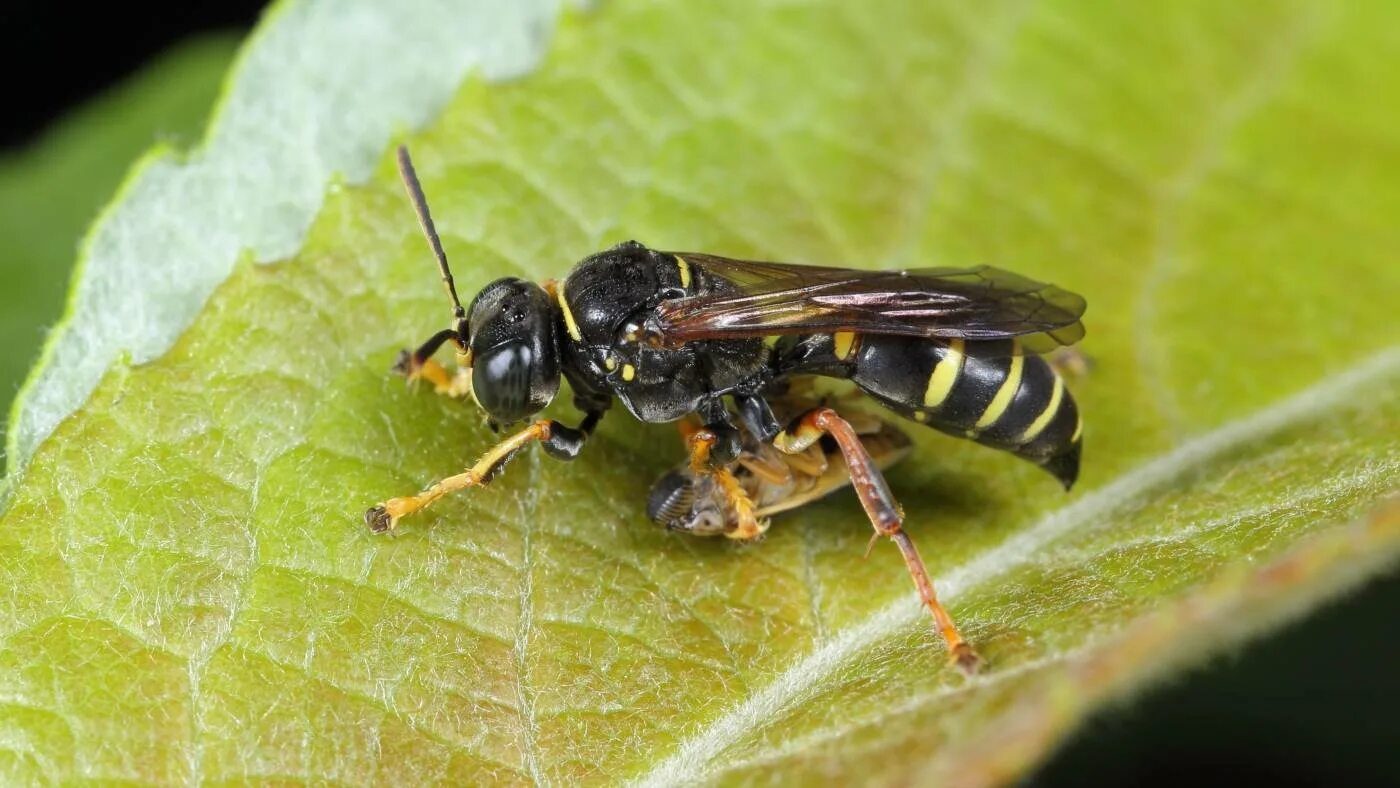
column 694, row 501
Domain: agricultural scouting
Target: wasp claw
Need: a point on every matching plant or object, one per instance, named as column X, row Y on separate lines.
column 965, row 659
column 378, row 520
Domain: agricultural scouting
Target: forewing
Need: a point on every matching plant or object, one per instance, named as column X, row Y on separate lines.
column 766, row 299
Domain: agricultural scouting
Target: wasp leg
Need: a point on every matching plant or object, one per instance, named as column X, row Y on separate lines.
column 560, row 441
column 885, row 515
column 1071, row 362
column 757, row 417
column 419, row 365
column 702, row 441
column 409, row 363
column 449, row 384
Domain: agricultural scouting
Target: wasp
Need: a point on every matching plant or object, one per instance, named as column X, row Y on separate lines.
column 711, row 341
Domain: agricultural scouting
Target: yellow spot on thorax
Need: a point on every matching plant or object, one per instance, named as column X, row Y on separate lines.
column 569, row 322
column 1007, row 391
column 684, row 269
column 945, row 374
column 1046, row 416
column 628, row 372
column 844, row 342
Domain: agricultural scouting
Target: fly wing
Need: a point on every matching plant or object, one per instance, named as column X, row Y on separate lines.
column 758, row 299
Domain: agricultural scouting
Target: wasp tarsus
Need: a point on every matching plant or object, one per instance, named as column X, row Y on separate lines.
column 377, row 518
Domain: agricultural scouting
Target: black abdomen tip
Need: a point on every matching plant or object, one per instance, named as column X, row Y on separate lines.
column 1065, row 465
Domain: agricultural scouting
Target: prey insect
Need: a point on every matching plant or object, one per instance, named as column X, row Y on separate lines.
column 712, row 341
column 691, row 501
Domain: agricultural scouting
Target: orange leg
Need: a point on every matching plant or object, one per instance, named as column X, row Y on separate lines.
column 885, row 515
column 748, row 526
column 418, row 365
column 386, row 515
column 448, row 384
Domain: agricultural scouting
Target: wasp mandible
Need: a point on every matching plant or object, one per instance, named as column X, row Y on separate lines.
column 708, row 341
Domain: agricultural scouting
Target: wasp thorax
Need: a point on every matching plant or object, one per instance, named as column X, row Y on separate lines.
column 515, row 360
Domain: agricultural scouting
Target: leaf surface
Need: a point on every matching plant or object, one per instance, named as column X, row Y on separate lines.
column 197, row 598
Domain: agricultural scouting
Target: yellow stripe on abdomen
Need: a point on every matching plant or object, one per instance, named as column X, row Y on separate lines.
column 1006, row 392
column 1047, row 415
column 684, row 269
column 945, row 374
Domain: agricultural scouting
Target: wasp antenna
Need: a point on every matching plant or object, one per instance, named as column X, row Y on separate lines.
column 425, row 220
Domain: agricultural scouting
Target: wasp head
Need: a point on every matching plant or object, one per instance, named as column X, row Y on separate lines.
column 514, row 352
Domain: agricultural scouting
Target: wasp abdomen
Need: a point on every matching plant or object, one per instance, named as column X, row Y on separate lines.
column 991, row 392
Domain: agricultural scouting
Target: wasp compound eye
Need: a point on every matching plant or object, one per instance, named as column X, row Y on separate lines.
column 506, row 382
column 515, row 358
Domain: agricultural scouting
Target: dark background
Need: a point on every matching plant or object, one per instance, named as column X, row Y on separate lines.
column 57, row 55
column 1318, row 704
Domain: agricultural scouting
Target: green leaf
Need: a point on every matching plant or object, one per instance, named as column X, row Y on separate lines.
column 197, row 598
column 52, row 189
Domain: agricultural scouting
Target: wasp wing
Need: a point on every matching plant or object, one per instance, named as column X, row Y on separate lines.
column 752, row 299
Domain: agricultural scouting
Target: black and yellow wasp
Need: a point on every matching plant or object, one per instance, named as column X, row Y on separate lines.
column 709, row 341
